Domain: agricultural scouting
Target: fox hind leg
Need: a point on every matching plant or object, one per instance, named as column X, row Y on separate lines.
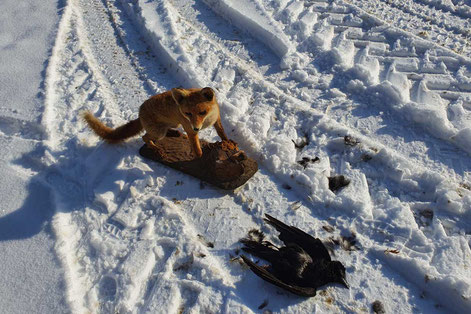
column 155, row 132
column 174, row 133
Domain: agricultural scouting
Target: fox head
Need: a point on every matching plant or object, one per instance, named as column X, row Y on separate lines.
column 195, row 105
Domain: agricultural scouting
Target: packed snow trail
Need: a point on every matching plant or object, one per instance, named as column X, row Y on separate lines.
column 366, row 99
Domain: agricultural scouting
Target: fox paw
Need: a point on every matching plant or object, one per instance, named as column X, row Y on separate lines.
column 152, row 144
column 149, row 141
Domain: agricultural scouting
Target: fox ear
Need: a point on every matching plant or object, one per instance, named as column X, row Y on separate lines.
column 208, row 93
column 178, row 94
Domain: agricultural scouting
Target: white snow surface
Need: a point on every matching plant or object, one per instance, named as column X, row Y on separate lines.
column 379, row 91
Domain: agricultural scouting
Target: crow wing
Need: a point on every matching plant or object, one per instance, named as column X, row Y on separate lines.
column 288, row 262
column 261, row 250
column 288, row 234
column 267, row 276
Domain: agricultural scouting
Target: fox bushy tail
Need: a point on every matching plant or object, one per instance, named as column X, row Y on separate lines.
column 110, row 135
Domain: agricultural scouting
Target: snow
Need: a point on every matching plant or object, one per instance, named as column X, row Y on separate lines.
column 379, row 92
column 250, row 17
column 31, row 280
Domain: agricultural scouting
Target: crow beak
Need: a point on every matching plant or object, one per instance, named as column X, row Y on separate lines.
column 344, row 283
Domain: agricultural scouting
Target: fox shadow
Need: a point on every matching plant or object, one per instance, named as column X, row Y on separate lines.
column 70, row 179
column 29, row 219
column 61, row 184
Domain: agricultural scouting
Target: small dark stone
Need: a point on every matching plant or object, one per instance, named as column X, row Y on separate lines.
column 328, row 228
column 306, row 160
column 427, row 213
column 348, row 243
column 378, row 307
column 466, row 186
column 185, row 265
column 338, row 182
column 265, row 303
column 350, row 141
column 286, row 186
column 302, row 143
column 334, row 241
column 205, row 242
column 303, row 163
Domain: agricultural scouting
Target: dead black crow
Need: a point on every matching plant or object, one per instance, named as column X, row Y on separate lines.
column 301, row 266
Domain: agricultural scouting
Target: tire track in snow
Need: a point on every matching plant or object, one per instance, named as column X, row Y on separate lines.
column 248, row 50
column 396, row 54
column 73, row 79
column 457, row 8
column 418, row 20
column 376, row 55
column 66, row 237
column 114, row 17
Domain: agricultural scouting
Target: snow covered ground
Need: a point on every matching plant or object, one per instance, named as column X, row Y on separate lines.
column 379, row 91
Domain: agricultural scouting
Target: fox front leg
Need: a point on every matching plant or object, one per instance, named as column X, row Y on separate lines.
column 220, row 130
column 195, row 144
column 194, row 140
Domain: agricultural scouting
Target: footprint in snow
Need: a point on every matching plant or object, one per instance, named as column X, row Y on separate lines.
column 107, row 288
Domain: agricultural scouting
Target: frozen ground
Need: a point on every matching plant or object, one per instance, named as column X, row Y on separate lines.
column 379, row 91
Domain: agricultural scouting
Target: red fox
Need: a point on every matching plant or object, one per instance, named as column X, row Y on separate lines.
column 194, row 109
